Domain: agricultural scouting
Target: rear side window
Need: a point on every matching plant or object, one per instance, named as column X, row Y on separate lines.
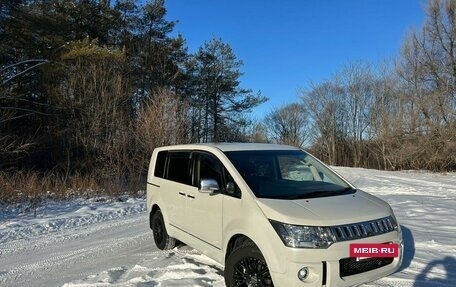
column 179, row 167
column 160, row 164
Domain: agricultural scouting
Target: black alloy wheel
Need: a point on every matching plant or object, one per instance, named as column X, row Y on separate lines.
column 246, row 267
column 162, row 240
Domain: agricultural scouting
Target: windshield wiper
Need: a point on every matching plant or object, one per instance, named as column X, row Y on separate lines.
column 313, row 194
column 319, row 193
column 348, row 190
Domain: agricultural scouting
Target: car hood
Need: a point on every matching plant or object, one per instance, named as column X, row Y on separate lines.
column 326, row 211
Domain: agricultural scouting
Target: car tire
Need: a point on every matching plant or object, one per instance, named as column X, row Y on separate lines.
column 246, row 267
column 161, row 238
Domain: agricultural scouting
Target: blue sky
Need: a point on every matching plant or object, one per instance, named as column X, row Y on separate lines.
column 285, row 44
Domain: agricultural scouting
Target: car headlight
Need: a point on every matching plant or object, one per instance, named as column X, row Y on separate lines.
column 299, row 236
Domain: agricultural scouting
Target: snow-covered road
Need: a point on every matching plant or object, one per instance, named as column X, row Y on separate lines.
column 56, row 258
column 107, row 243
column 97, row 246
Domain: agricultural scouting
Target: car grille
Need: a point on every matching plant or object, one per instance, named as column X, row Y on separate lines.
column 364, row 229
column 350, row 266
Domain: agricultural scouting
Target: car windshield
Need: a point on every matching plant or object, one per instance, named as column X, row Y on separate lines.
column 287, row 174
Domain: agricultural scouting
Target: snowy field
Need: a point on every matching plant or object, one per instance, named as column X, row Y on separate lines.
column 107, row 243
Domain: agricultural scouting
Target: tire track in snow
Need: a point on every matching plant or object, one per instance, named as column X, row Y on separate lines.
column 62, row 235
column 40, row 261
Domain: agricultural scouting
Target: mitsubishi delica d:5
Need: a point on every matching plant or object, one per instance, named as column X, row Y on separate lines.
column 273, row 215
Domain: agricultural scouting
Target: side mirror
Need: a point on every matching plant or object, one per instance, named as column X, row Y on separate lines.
column 208, row 185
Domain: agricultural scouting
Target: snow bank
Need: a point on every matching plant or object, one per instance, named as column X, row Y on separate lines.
column 181, row 266
column 57, row 216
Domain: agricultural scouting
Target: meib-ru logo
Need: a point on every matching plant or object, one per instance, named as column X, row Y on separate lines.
column 369, row 250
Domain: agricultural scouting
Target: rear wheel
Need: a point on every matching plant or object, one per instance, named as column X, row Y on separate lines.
column 246, row 267
column 161, row 237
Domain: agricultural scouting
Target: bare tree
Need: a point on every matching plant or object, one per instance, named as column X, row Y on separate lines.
column 95, row 104
column 356, row 83
column 258, row 132
column 289, row 124
column 12, row 145
column 428, row 65
column 428, row 72
column 328, row 114
column 162, row 121
column 387, row 117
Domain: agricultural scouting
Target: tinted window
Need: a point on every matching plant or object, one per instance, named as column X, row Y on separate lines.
column 179, row 167
column 209, row 167
column 287, row 174
column 231, row 188
column 160, row 164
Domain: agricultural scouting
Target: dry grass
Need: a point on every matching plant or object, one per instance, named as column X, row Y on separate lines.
column 34, row 187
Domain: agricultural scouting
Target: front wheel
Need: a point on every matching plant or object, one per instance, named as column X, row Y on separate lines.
column 161, row 237
column 246, row 267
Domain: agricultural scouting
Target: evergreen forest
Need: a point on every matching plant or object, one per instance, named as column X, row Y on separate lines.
column 88, row 88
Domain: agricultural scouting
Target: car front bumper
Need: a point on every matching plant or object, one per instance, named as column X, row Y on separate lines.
column 324, row 264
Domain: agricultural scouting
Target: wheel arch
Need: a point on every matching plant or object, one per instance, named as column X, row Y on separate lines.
column 267, row 248
column 235, row 241
column 154, row 209
column 240, row 247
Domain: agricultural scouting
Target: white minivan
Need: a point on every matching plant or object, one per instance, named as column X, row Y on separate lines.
column 273, row 215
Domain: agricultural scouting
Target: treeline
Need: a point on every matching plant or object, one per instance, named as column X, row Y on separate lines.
column 396, row 115
column 90, row 87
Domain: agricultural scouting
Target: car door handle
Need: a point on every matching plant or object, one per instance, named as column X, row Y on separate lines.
column 190, row 196
column 181, row 193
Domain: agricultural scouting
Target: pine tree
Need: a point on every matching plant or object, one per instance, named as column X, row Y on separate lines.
column 219, row 95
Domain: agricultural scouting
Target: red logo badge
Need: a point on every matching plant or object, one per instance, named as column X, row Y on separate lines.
column 374, row 250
